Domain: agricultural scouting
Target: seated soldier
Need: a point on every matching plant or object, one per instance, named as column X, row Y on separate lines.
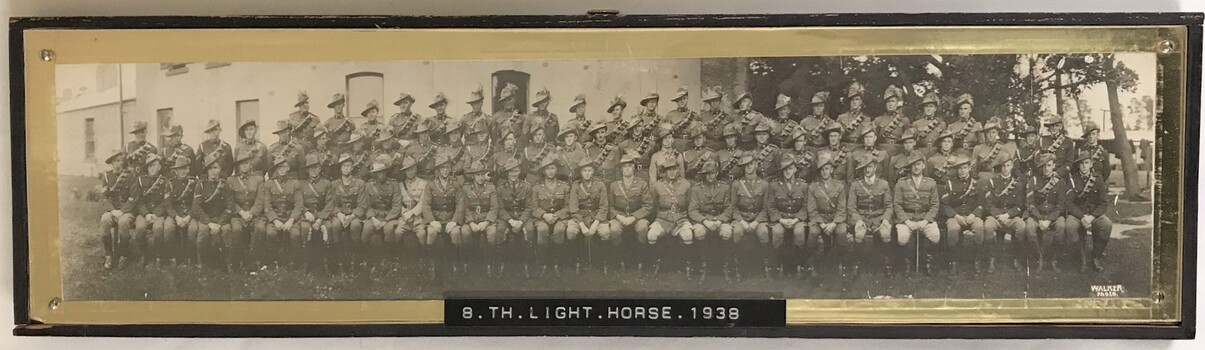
column 346, row 213
column 514, row 215
column 478, row 206
column 382, row 207
column 1045, row 222
column 1005, row 199
column 439, row 208
column 671, row 199
column 869, row 210
column 914, row 207
column 710, row 206
column 787, row 205
column 749, row 216
column 115, row 187
column 588, row 207
column 549, row 211
column 282, row 209
column 313, row 210
column 175, row 217
column 827, row 208
column 411, row 228
column 631, row 206
column 211, row 216
column 1086, row 203
column 962, row 206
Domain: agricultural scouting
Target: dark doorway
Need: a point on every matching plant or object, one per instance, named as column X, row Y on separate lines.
column 520, row 79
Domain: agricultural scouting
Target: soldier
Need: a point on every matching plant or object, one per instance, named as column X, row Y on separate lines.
column 1055, row 141
column 549, row 201
column 893, row 122
column 314, row 211
column 939, row 162
column 345, row 224
column 749, row 212
column 244, row 189
column 423, row 151
column 782, row 126
column 304, row 121
column 841, row 157
column 928, row 126
column 681, row 119
column 710, row 206
column 341, row 138
column 826, row 205
column 868, row 146
column 476, row 119
column 384, row 145
column 410, row 223
column 542, row 117
column 356, row 148
column 671, row 198
column 579, row 121
column 115, row 187
column 869, row 209
column 990, row 151
column 145, row 195
column 508, row 149
column 440, row 123
column 174, row 149
column 277, row 230
column 588, row 208
column 964, row 126
column 1090, row 142
column 1026, row 152
column 439, row 206
column 617, row 127
column 648, row 116
column 211, row 214
column 1045, row 223
column 139, row 148
column 1005, row 197
column 602, row 151
column 249, row 144
column 962, row 206
column 372, row 119
column 631, row 204
column 915, row 202
column 908, row 142
column 817, row 123
column 730, row 154
column 765, row 149
column 510, row 117
column 787, row 206
column 714, row 118
column 214, row 146
column 287, row 147
column 405, row 121
column 478, row 148
column 478, row 208
column 538, row 150
column 748, row 118
column 569, row 154
column 453, row 146
column 665, row 152
column 338, row 120
column 304, row 135
column 174, row 213
column 382, row 204
column 802, row 153
column 698, row 153
column 853, row 119
column 1086, row 203
column 326, row 156
column 514, row 215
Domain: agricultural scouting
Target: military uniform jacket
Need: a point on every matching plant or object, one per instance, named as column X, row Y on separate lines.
column 505, row 119
column 1100, row 158
column 567, row 160
column 927, row 130
column 212, row 202
column 476, row 153
column 534, row 154
column 145, row 194
column 1045, row 197
column 170, row 154
column 765, row 156
column 673, row 199
column 345, row 197
column 314, row 197
column 692, row 159
column 878, row 153
column 631, row 198
column 440, row 200
column 714, row 122
column 985, row 155
column 478, row 203
column 843, row 161
column 550, row 121
column 438, row 124
column 383, row 200
column 915, row 199
column 938, row 165
column 588, row 201
column 966, row 132
column 748, row 121
column 260, row 159
column 814, row 126
column 177, row 199
column 827, row 201
column 1025, row 156
column 804, row 159
column 132, row 148
column 403, row 124
column 1087, row 194
column 852, row 121
column 891, row 173
column 749, row 199
column 728, row 157
column 549, row 196
column 961, row 197
column 333, row 122
column 512, row 200
column 115, row 191
column 870, row 202
column 1061, row 146
column 281, row 200
column 710, row 201
column 425, row 153
column 245, row 191
column 413, row 191
column 293, row 151
column 470, row 120
column 891, row 127
column 657, row 158
column 501, row 155
column 579, row 123
column 223, row 151
column 788, row 199
column 1004, row 195
column 677, row 118
column 607, row 166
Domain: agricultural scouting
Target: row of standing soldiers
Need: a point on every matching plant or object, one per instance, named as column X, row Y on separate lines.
column 737, row 190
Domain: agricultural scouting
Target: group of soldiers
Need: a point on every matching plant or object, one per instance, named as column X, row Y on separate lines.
column 725, row 189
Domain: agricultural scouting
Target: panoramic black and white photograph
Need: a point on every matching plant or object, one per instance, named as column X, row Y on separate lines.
column 836, row 177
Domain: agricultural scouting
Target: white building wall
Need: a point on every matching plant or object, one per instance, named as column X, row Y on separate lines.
column 80, row 96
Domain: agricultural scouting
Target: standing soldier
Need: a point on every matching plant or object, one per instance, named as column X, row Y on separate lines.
column 514, row 215
column 249, row 144
column 311, row 223
column 617, row 127
column 827, row 211
column 908, row 150
column 869, row 146
column 145, row 197
column 666, row 152
column 730, row 155
column 538, row 150
column 929, row 125
column 508, row 149
column 326, row 156
column 549, row 201
column 174, row 213
column 853, row 119
column 893, row 122
column 476, row 119
column 1026, row 152
column 1046, row 224
column 570, row 154
column 477, row 148
column 991, row 151
column 345, row 223
column 439, row 205
column 440, row 124
column 410, row 223
column 214, row 146
column 601, row 150
column 405, row 121
column 787, row 206
column 453, row 146
column 174, row 149
column 764, row 149
column 510, row 117
column 841, row 157
column 748, row 118
column 372, row 125
column 338, row 120
column 698, row 153
column 1005, row 197
column 939, row 162
column 648, row 116
column 802, row 153
column 818, row 122
column 631, row 204
column 714, row 118
column 287, row 147
column 710, row 206
column 357, row 149
column 782, row 126
column 478, row 206
column 671, row 197
column 1086, row 203
column 423, row 151
column 244, row 187
column 681, row 119
column 1090, row 143
column 211, row 214
column 588, row 207
column 914, row 207
column 139, row 148
column 749, row 213
column 964, row 126
column 115, row 188
column 1056, row 142
column 382, row 204
column 962, row 206
column 304, row 121
column 869, row 208
column 277, row 230
column 542, row 117
column 579, row 121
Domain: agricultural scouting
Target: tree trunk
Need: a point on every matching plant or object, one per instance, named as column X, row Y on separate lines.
column 1129, row 167
column 1058, row 95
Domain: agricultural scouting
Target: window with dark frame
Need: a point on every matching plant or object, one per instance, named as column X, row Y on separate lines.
column 90, row 139
column 246, row 110
column 163, row 118
column 361, row 88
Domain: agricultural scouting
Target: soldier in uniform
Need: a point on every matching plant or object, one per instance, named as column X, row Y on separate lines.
column 1055, row 141
column 892, row 123
column 869, row 209
column 423, row 151
column 710, row 206
column 1090, row 143
column 915, row 202
column 1044, row 211
column 372, row 119
column 249, row 144
column 175, row 212
column 749, row 213
column 538, row 150
column 410, row 215
column 509, row 150
column 356, row 148
column 962, row 206
column 1026, row 152
column 939, row 162
column 338, row 120
column 1005, row 197
column 550, row 212
column 747, row 118
column 694, row 157
column 542, row 117
column 671, row 198
column 714, row 119
column 439, row 205
column 764, row 149
column 602, row 151
column 314, row 211
column 965, row 128
column 1086, row 203
column 214, row 146
column 617, row 127
column 476, row 119
column 841, row 157
column 991, row 151
column 579, row 121
column 211, row 214
column 115, row 187
column 569, row 154
column 345, row 224
column 174, row 149
column 589, row 206
column 827, row 212
column 277, row 230
column 405, row 121
column 244, row 189
column 478, row 207
column 631, row 204
column 648, row 116
column 928, row 126
column 818, row 122
column 287, row 147
column 855, row 117
column 133, row 147
column 510, row 117
column 665, row 152
column 869, row 146
column 681, row 119
column 453, row 146
column 477, row 148
column 730, row 154
column 326, row 156
column 908, row 142
column 787, row 206
column 382, row 204
column 304, row 121
column 802, row 153
column 514, row 215
column 782, row 126
column 440, row 124
column 145, row 197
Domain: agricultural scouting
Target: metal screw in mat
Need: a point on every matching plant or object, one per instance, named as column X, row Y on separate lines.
column 47, row 55
column 1166, row 46
column 54, row 303
column 1158, row 297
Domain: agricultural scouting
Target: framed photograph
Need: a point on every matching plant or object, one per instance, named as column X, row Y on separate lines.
column 899, row 176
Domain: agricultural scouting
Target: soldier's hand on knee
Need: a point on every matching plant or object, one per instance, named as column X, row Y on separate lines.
column 214, row 227
column 309, row 216
column 289, row 224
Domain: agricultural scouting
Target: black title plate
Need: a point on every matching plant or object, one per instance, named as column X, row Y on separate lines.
column 614, row 312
